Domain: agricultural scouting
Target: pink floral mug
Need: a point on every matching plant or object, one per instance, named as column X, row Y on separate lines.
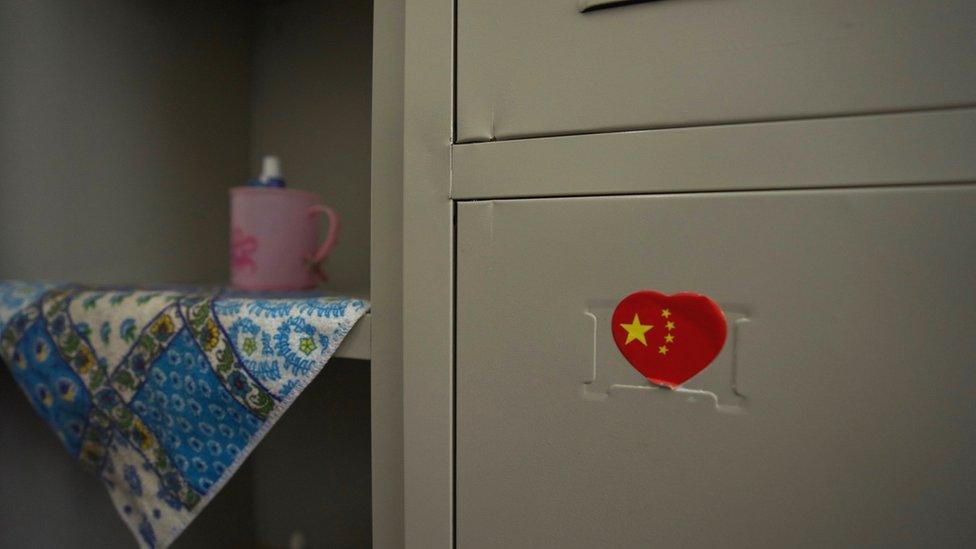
column 275, row 238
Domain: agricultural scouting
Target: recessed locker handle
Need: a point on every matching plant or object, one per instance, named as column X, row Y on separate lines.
column 593, row 5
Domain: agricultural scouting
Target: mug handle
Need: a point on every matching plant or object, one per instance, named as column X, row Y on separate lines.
column 331, row 239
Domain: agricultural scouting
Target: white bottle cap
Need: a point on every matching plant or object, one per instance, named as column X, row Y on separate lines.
column 270, row 168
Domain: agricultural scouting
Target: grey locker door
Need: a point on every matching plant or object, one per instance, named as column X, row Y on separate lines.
column 841, row 411
column 540, row 67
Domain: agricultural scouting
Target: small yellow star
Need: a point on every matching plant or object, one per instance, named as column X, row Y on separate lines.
column 669, row 338
column 662, row 349
column 669, row 325
column 665, row 313
column 636, row 330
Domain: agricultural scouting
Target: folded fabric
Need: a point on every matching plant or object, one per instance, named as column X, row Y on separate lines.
column 164, row 393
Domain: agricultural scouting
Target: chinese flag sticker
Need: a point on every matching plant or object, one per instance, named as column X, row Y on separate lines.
column 668, row 338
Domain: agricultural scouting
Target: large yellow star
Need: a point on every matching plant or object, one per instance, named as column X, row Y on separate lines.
column 636, row 330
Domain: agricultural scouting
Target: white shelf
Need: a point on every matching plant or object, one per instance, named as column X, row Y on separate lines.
column 356, row 345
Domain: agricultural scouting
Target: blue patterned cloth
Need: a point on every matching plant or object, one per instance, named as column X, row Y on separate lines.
column 163, row 393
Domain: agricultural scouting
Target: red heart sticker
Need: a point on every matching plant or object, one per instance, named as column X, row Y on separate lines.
column 668, row 339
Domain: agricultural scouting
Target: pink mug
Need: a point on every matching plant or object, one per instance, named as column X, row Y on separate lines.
column 275, row 238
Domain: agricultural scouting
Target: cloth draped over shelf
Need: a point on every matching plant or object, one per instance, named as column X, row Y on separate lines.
column 163, row 393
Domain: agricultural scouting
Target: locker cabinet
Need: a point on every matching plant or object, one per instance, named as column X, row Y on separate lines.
column 808, row 165
column 838, row 414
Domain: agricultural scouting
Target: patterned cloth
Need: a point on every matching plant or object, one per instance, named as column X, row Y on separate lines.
column 164, row 393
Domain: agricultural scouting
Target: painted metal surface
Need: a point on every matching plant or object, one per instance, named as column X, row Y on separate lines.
column 386, row 276
column 428, row 274
column 839, row 412
column 894, row 149
column 542, row 68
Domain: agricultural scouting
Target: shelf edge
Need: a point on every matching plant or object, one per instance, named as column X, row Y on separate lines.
column 356, row 344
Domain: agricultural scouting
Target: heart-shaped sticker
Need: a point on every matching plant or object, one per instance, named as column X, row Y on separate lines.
column 668, row 338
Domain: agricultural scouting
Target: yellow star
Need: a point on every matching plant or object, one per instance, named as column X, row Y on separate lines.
column 669, row 325
column 665, row 313
column 636, row 330
column 662, row 349
column 669, row 338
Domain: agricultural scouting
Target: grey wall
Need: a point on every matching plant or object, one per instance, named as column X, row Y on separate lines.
column 311, row 106
column 311, row 474
column 122, row 125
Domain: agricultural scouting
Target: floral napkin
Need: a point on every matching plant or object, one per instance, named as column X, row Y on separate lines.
column 163, row 393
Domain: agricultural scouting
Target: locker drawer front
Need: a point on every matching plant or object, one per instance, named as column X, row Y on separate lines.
column 840, row 411
column 543, row 68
